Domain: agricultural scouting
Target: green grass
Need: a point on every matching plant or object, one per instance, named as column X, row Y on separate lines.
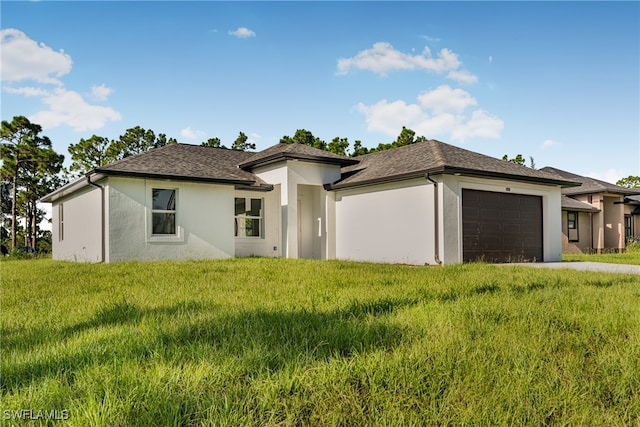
column 287, row 342
column 630, row 256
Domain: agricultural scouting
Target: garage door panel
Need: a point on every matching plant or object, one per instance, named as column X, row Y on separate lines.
column 512, row 215
column 501, row 227
column 511, row 228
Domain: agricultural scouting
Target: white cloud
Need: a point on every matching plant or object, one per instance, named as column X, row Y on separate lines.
column 191, row 134
column 383, row 58
column 388, row 118
column 66, row 107
column 26, row 91
column 25, row 59
column 481, row 125
column 431, row 39
column 548, row 143
column 446, row 99
column 610, row 175
column 243, row 33
column 462, row 76
column 101, row 93
column 441, row 112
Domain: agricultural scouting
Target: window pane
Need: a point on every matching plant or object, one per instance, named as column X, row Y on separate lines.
column 252, row 227
column 256, row 206
column 164, row 199
column 240, row 206
column 164, row 223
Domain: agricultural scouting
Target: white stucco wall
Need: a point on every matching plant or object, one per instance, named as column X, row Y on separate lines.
column 551, row 212
column 392, row 223
column 81, row 238
column 292, row 176
column 204, row 219
column 396, row 222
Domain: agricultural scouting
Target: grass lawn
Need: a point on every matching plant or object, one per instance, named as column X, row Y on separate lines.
column 629, row 257
column 291, row 342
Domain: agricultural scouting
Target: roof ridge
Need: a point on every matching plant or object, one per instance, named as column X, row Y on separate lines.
column 283, row 151
column 598, row 182
column 436, row 149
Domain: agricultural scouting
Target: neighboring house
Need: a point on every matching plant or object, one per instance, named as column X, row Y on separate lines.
column 425, row 203
column 632, row 217
column 596, row 215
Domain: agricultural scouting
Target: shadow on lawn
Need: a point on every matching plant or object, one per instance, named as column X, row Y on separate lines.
column 263, row 339
column 114, row 314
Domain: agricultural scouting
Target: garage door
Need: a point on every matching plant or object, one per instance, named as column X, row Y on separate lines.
column 501, row 227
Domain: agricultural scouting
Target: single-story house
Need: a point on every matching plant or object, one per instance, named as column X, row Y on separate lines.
column 424, row 203
column 632, row 218
column 596, row 215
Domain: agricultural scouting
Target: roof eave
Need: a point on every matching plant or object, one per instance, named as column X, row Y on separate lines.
column 255, row 187
column 374, row 181
column 513, row 177
column 577, row 209
column 169, row 177
column 604, row 191
column 274, row 158
column 452, row 171
column 72, row 187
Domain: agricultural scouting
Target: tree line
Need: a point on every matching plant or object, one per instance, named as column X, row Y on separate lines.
column 31, row 168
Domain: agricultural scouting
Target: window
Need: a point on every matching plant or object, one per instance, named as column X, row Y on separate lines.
column 60, row 222
column 248, row 217
column 572, row 226
column 163, row 212
column 628, row 230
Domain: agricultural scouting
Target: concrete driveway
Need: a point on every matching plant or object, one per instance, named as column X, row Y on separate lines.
column 586, row 266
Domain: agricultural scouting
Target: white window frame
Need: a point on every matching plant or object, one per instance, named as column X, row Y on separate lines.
column 573, row 233
column 163, row 238
column 240, row 218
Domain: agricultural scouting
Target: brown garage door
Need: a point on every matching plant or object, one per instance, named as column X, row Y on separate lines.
column 501, row 227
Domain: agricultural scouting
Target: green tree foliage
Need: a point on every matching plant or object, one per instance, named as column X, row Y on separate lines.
column 629, row 182
column 519, row 160
column 135, row 141
column 162, row 140
column 241, row 144
column 359, row 149
column 304, row 137
column 341, row 145
column 213, row 142
column 89, row 154
column 30, row 166
column 407, row 137
column 338, row 146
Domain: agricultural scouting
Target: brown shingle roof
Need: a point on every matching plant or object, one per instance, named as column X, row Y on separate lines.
column 284, row 151
column 186, row 162
column 436, row 157
column 569, row 204
column 589, row 185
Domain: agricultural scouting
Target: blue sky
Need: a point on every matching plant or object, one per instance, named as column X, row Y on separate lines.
column 559, row 82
